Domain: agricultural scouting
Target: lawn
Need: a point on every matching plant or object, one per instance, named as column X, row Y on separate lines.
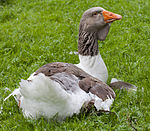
column 36, row 32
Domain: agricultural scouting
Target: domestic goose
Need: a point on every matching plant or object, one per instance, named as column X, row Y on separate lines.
column 63, row 88
column 94, row 26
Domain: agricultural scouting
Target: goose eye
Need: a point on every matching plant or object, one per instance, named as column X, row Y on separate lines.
column 96, row 13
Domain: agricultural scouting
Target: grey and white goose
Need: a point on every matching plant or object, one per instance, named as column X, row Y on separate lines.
column 63, row 88
column 94, row 26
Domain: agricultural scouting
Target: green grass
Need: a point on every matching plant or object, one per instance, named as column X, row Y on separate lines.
column 36, row 32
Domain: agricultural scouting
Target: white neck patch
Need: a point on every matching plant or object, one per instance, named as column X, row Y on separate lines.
column 94, row 65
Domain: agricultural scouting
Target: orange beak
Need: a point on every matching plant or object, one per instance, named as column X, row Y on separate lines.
column 110, row 17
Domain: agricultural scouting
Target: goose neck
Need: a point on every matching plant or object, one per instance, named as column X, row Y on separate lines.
column 87, row 43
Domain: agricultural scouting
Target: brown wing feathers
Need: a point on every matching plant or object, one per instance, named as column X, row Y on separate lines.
column 59, row 67
column 98, row 88
column 86, row 82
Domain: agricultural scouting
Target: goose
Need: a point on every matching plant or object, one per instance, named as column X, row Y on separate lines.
column 63, row 89
column 94, row 26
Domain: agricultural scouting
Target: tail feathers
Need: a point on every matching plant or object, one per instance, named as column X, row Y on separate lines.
column 16, row 94
column 41, row 87
column 25, row 87
column 42, row 96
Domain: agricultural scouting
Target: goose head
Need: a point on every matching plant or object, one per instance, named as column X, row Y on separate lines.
column 98, row 20
column 94, row 26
